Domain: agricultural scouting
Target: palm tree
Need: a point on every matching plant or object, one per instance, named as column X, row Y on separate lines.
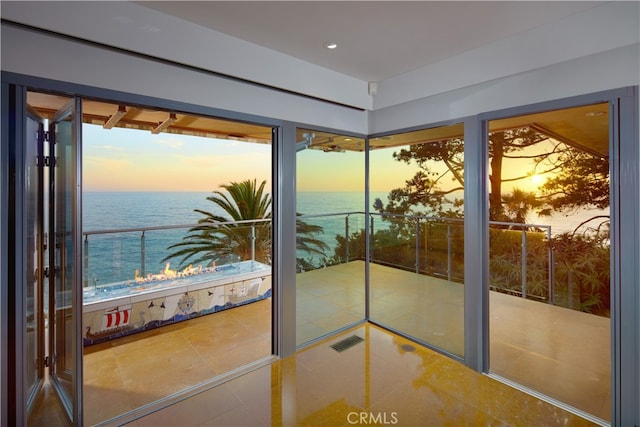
column 518, row 204
column 217, row 237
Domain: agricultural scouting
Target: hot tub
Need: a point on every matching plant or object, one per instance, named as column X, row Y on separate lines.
column 118, row 309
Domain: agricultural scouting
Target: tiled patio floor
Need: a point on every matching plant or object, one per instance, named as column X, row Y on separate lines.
column 560, row 352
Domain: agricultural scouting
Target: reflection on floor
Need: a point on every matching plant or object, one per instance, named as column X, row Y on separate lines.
column 384, row 379
column 47, row 410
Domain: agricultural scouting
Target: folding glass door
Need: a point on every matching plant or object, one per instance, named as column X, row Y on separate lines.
column 52, row 256
column 197, row 251
column 33, row 333
column 65, row 257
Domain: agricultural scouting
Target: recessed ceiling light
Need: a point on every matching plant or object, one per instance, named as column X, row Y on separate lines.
column 595, row 113
column 330, row 45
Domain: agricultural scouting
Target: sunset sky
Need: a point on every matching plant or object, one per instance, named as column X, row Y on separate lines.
column 134, row 160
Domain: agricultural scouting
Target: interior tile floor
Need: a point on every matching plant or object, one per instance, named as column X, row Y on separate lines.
column 545, row 348
column 382, row 380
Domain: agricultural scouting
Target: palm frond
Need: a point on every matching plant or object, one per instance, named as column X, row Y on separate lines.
column 241, row 201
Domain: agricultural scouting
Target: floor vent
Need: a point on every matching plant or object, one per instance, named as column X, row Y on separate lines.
column 346, row 343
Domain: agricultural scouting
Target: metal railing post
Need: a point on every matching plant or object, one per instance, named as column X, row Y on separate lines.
column 143, row 255
column 346, row 237
column 551, row 268
column 428, row 247
column 253, row 242
column 86, row 261
column 417, row 245
column 524, row 263
column 449, row 251
column 371, row 240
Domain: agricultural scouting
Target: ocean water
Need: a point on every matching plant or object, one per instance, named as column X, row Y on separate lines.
column 117, row 210
column 114, row 257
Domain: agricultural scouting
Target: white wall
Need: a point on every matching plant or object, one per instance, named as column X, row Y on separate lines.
column 537, row 65
column 130, row 26
column 605, row 26
column 602, row 28
column 36, row 54
column 607, row 70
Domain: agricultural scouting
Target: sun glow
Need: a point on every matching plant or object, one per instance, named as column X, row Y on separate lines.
column 537, row 179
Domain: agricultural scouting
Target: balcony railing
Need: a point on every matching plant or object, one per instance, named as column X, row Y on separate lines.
column 530, row 249
column 120, row 245
column 422, row 244
column 428, row 245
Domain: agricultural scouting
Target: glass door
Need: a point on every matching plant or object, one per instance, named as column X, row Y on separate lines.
column 330, row 233
column 34, row 307
column 549, row 263
column 65, row 296
column 416, row 248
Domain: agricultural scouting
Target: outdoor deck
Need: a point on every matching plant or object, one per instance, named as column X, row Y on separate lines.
column 560, row 352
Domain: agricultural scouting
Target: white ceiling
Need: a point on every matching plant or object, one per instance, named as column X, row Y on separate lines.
column 376, row 39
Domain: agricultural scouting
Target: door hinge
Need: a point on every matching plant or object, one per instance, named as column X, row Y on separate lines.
column 42, row 161
column 46, row 361
column 45, row 135
column 49, row 271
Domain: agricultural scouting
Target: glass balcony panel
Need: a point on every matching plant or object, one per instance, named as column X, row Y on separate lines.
column 417, row 235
